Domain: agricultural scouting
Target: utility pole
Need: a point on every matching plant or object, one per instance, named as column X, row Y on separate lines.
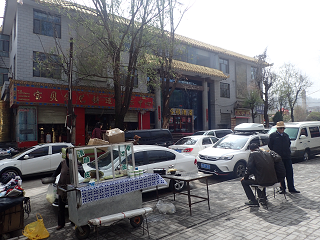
column 69, row 105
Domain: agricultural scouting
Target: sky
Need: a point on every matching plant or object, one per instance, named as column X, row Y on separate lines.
column 287, row 28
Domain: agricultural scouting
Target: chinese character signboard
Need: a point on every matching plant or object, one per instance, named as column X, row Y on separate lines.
column 25, row 93
column 179, row 111
column 242, row 113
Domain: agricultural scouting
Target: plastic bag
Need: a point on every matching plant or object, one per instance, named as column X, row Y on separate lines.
column 50, row 194
column 165, row 207
column 36, row 230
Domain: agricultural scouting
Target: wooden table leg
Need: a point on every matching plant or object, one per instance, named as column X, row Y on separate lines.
column 189, row 198
column 208, row 192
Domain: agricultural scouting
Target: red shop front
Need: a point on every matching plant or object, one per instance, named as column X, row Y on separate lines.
column 42, row 104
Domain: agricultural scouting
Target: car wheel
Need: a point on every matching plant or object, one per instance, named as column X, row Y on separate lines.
column 12, row 173
column 136, row 221
column 239, row 169
column 83, row 232
column 306, row 155
column 177, row 186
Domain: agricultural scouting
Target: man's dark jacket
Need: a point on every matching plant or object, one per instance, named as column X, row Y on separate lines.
column 280, row 144
column 261, row 165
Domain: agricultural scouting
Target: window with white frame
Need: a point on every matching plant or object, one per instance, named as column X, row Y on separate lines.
column 46, row 24
column 4, row 45
column 224, row 90
column 46, row 65
column 224, row 65
column 253, row 73
column 3, row 75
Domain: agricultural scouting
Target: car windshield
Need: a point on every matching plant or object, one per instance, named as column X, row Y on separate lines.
column 199, row 133
column 235, row 142
column 187, row 141
column 104, row 161
column 291, row 131
column 23, row 152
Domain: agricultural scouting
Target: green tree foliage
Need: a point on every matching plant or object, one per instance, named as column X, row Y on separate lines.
column 277, row 117
column 313, row 116
column 252, row 100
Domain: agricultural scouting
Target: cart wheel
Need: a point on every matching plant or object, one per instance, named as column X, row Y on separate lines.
column 136, row 221
column 83, row 233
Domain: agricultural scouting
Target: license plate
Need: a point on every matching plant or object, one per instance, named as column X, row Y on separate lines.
column 178, row 150
column 206, row 166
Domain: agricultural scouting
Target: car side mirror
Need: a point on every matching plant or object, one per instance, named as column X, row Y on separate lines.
column 26, row 156
column 302, row 136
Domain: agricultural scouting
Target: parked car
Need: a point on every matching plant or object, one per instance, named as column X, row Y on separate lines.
column 218, row 133
column 160, row 137
column 147, row 158
column 305, row 138
column 193, row 144
column 39, row 159
column 230, row 154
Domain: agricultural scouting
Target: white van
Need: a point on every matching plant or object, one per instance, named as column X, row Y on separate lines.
column 305, row 138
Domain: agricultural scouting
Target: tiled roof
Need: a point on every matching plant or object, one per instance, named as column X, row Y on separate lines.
column 184, row 66
column 212, row 48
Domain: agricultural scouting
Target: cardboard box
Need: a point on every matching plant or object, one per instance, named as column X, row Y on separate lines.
column 114, row 136
column 97, row 141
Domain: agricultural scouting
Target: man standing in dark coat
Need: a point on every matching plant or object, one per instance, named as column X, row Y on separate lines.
column 261, row 165
column 280, row 142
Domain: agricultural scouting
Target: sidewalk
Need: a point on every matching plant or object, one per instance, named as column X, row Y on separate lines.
column 295, row 218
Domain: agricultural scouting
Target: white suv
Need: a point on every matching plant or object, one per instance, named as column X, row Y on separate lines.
column 230, row 154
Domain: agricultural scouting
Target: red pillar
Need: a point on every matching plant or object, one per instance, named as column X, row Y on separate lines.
column 80, row 126
column 144, row 120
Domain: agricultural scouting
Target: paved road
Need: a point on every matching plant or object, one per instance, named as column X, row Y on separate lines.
column 227, row 200
column 37, row 192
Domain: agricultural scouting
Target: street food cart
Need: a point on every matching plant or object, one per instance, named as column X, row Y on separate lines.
column 111, row 189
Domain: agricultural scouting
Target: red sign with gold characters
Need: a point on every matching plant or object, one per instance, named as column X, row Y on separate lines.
column 26, row 93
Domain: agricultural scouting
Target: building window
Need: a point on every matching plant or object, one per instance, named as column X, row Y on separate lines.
column 224, row 65
column 46, row 65
column 253, row 73
column 225, row 90
column 46, row 24
column 3, row 75
column 4, row 45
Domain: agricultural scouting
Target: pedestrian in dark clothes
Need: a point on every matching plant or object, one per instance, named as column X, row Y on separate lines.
column 97, row 131
column 280, row 142
column 64, row 180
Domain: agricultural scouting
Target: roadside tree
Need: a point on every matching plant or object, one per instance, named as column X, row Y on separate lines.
column 111, row 40
column 313, row 116
column 265, row 78
column 291, row 85
column 252, row 100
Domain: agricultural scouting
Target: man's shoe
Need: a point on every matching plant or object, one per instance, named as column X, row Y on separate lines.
column 294, row 191
column 263, row 201
column 252, row 203
column 282, row 191
column 59, row 227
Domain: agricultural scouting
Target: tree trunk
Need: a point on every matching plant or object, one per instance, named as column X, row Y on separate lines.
column 292, row 117
column 252, row 114
column 265, row 112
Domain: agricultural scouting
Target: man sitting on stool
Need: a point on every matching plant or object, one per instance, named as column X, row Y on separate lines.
column 261, row 165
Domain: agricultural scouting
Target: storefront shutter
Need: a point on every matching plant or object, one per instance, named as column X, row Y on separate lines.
column 51, row 115
column 131, row 117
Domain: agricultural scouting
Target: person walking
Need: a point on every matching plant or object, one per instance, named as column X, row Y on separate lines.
column 261, row 165
column 64, row 180
column 280, row 142
column 97, row 131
